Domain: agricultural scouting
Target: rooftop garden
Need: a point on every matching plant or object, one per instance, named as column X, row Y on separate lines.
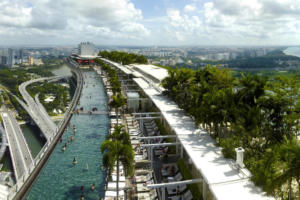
column 249, row 111
column 123, row 57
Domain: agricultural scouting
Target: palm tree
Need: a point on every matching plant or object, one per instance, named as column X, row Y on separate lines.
column 290, row 158
column 116, row 148
column 119, row 134
column 117, row 102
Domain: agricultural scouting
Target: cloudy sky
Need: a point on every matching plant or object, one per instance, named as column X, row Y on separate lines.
column 150, row 22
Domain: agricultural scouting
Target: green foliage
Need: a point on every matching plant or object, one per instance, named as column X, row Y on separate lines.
column 249, row 111
column 185, row 171
column 59, row 92
column 123, row 57
column 117, row 148
column 112, row 75
column 228, row 146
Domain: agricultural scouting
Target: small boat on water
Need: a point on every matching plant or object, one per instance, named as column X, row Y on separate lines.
column 74, row 161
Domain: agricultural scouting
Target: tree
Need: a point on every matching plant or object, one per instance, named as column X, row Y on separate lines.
column 115, row 149
column 117, row 102
column 290, row 159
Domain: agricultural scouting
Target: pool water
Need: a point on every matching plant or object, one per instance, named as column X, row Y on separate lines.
column 60, row 179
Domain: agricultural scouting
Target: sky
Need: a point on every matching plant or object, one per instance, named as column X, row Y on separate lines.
column 150, row 22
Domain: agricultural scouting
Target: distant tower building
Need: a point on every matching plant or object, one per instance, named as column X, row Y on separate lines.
column 11, row 58
column 3, row 60
column 21, row 54
column 86, row 49
column 30, row 60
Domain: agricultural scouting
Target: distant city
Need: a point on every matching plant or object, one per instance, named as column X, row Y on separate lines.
column 166, row 56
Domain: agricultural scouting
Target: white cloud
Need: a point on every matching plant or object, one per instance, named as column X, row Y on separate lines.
column 119, row 21
column 236, row 22
column 189, row 8
column 12, row 14
column 73, row 19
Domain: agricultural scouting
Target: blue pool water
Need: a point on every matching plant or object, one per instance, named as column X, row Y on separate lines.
column 60, row 179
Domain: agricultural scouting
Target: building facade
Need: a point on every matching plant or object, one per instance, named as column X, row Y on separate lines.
column 86, row 49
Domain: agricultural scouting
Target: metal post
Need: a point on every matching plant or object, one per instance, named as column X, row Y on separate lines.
column 176, row 146
column 142, row 126
column 204, row 190
column 163, row 193
column 151, row 153
column 181, row 151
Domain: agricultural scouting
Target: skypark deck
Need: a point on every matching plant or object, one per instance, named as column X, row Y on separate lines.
column 222, row 180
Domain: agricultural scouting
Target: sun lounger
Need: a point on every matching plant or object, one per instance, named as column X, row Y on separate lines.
column 169, row 169
column 121, row 178
column 143, row 178
column 142, row 187
column 138, row 158
column 112, row 186
column 160, row 151
column 186, row 196
column 178, row 177
column 135, row 142
column 176, row 189
column 139, row 172
column 121, row 172
column 113, row 194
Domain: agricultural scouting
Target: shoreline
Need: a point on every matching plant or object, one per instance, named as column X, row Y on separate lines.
column 292, row 53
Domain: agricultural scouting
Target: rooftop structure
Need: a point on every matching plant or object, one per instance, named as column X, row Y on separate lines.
column 157, row 74
column 223, row 179
column 87, row 50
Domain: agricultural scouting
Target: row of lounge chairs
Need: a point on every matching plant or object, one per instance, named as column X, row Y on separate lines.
column 169, row 172
column 142, row 176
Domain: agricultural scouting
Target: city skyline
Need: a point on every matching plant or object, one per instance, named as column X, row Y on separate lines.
column 147, row 23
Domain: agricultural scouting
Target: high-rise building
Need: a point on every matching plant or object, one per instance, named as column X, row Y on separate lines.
column 3, row 60
column 30, row 60
column 11, row 58
column 7, row 57
column 86, row 49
